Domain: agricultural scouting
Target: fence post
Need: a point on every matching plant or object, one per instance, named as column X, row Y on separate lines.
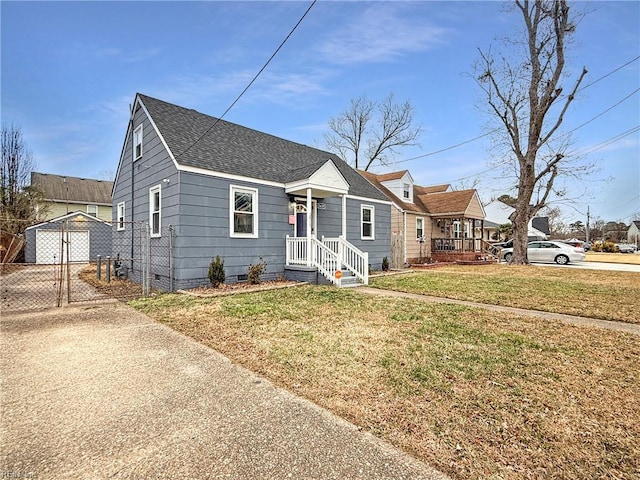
column 99, row 270
column 171, row 258
column 146, row 259
column 108, row 269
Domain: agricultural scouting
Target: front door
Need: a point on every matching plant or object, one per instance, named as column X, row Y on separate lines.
column 301, row 218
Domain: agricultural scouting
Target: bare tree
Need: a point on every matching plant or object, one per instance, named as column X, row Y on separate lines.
column 525, row 95
column 18, row 200
column 557, row 227
column 370, row 132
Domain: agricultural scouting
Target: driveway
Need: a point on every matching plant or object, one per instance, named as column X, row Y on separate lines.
column 102, row 391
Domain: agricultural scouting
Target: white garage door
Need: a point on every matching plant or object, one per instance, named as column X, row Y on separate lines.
column 48, row 245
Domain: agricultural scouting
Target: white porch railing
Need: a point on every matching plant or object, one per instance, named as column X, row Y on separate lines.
column 296, row 250
column 328, row 256
column 352, row 258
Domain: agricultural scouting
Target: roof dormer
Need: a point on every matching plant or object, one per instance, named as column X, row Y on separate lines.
column 400, row 184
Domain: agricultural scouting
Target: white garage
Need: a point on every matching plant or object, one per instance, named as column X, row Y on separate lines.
column 49, row 246
column 88, row 237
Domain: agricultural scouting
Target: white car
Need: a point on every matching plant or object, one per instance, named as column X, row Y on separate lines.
column 549, row 252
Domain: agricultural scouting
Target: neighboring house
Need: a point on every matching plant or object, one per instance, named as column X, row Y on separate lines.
column 633, row 234
column 430, row 222
column 499, row 213
column 85, row 237
column 209, row 187
column 64, row 194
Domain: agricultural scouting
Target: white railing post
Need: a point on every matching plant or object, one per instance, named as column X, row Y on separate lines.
column 365, row 269
column 287, row 250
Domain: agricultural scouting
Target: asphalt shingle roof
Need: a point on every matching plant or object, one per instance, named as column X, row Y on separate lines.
column 233, row 149
column 73, row 189
column 432, row 200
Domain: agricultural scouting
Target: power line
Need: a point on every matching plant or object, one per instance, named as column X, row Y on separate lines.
column 251, row 82
column 610, row 140
column 608, row 74
column 499, row 128
column 602, row 113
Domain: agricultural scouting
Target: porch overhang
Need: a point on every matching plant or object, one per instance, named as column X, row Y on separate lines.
column 326, row 181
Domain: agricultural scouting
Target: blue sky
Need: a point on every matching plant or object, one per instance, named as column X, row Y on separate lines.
column 71, row 69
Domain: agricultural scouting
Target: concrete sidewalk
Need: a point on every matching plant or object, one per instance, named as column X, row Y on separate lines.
column 102, row 391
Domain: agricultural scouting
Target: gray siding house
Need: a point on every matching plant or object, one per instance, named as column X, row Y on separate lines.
column 208, row 187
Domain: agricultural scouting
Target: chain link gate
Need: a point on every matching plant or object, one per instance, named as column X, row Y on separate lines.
column 60, row 259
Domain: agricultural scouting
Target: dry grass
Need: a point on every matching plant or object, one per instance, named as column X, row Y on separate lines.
column 631, row 258
column 116, row 288
column 474, row 393
column 603, row 294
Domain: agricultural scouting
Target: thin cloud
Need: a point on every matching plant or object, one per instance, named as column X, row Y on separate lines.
column 382, row 33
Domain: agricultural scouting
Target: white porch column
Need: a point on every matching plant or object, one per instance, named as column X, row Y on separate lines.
column 309, row 205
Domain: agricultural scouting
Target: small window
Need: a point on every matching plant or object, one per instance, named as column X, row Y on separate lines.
column 457, row 229
column 419, row 227
column 243, row 212
column 406, row 191
column 120, row 219
column 367, row 219
column 155, row 204
column 92, row 210
column 137, row 142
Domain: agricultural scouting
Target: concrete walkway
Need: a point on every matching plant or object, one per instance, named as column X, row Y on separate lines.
column 102, row 391
column 611, row 325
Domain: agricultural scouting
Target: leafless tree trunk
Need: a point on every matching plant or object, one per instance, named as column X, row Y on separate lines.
column 520, row 94
column 17, row 200
column 368, row 132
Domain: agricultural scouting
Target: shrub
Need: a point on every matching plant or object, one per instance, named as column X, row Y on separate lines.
column 254, row 271
column 216, row 272
column 385, row 264
column 607, row 247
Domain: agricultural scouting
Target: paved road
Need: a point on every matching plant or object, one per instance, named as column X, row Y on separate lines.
column 102, row 391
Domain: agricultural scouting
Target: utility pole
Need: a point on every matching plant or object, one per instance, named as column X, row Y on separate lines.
column 587, row 228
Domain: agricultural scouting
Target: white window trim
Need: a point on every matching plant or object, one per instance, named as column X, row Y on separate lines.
column 419, row 219
column 137, row 135
column 120, row 216
column 96, row 210
column 153, row 190
column 254, row 203
column 373, row 222
column 406, row 191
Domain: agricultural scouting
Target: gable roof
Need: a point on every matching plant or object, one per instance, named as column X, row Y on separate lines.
column 77, row 215
column 200, row 141
column 431, row 200
column 432, row 189
column 385, row 177
column 375, row 180
column 447, row 203
column 61, row 188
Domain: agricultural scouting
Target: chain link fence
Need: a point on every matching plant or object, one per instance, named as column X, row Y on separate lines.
column 77, row 259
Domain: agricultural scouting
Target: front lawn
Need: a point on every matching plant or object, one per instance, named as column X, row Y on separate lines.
column 600, row 294
column 477, row 394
